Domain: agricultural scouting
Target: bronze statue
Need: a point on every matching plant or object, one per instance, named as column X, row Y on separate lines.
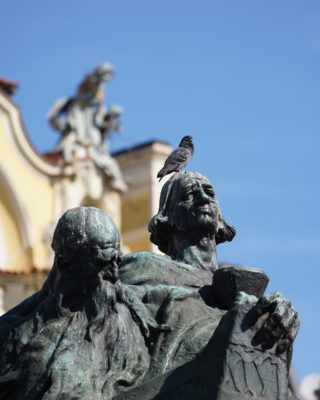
column 145, row 325
column 78, row 337
column 187, row 228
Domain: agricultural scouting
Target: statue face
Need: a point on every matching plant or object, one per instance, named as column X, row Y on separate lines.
column 193, row 204
column 87, row 261
column 85, row 240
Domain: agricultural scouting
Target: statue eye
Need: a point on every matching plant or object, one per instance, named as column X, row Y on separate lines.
column 186, row 195
column 209, row 191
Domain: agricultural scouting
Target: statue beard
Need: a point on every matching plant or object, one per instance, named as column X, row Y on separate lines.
column 91, row 302
column 102, row 310
column 204, row 224
column 95, row 327
column 208, row 223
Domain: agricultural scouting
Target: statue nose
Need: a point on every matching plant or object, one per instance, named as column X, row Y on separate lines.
column 202, row 196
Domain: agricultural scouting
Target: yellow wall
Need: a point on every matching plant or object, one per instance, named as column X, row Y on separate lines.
column 17, row 257
column 135, row 212
column 141, row 244
column 34, row 195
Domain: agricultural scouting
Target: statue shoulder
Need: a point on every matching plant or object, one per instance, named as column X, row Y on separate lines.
column 146, row 268
column 138, row 268
column 144, row 256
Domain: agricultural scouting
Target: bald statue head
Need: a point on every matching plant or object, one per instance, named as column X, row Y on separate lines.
column 85, row 242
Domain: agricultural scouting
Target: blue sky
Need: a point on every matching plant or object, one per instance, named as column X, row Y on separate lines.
column 241, row 76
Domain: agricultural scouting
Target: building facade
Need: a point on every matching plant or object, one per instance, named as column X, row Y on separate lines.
column 35, row 190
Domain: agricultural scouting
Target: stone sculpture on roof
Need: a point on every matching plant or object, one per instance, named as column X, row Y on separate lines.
column 149, row 326
column 85, row 124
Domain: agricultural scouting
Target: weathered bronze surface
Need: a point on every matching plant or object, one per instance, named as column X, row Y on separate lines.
column 147, row 326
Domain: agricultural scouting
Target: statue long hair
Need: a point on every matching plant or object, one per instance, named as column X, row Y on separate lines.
column 161, row 224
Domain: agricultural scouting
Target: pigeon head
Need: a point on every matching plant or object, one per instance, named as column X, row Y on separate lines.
column 186, row 141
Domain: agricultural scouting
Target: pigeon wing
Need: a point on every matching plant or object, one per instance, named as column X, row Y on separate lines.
column 177, row 159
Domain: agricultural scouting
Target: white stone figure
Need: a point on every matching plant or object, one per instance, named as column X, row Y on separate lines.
column 309, row 387
column 85, row 123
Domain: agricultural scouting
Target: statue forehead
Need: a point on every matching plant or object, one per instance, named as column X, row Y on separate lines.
column 189, row 179
column 84, row 226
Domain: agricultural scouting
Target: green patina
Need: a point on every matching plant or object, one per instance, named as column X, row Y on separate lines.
column 147, row 326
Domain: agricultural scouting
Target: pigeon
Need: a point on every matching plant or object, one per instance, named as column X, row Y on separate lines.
column 179, row 158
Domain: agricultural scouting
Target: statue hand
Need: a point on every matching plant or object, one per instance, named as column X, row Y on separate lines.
column 280, row 325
